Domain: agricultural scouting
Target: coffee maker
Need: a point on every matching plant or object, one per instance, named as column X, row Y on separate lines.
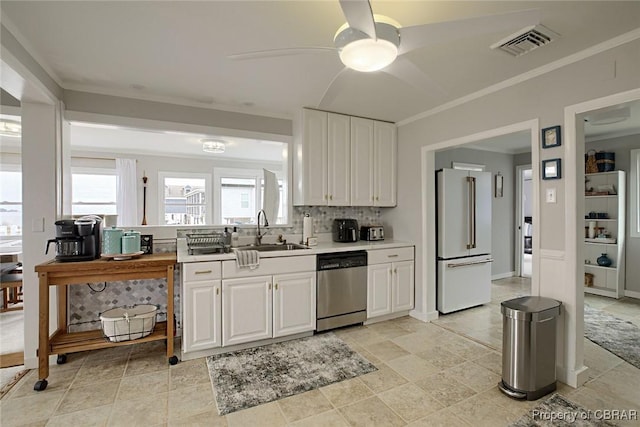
column 77, row 240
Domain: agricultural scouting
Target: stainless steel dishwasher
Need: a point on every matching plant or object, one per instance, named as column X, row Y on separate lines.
column 342, row 289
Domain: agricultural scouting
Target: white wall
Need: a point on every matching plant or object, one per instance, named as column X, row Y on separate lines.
column 39, row 179
column 544, row 98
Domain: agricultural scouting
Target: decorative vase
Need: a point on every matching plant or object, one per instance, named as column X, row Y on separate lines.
column 604, row 261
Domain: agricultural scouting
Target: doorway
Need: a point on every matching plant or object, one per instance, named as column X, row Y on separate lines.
column 11, row 303
column 524, row 217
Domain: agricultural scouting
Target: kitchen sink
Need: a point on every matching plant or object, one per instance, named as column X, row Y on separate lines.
column 272, row 247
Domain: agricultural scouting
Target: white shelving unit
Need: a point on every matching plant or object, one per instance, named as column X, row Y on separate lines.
column 607, row 281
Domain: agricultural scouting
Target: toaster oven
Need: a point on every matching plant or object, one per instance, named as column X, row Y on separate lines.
column 372, row 232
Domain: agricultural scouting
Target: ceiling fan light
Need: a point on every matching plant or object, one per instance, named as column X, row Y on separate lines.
column 10, row 128
column 368, row 54
column 215, row 146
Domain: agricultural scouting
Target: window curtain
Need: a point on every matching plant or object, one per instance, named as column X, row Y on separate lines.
column 271, row 201
column 127, row 192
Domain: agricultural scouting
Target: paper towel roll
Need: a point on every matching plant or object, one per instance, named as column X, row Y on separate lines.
column 307, row 228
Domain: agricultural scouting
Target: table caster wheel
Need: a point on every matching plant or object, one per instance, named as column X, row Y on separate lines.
column 62, row 359
column 173, row 360
column 40, row 385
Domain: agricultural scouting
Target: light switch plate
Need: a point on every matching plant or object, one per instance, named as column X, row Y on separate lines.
column 551, row 195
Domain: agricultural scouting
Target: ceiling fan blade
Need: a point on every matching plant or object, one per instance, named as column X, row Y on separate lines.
column 407, row 71
column 419, row 36
column 334, row 88
column 281, row 52
column 359, row 16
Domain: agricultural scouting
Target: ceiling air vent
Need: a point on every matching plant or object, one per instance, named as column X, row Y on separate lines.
column 526, row 40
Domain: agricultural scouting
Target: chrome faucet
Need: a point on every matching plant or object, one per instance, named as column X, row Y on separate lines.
column 259, row 235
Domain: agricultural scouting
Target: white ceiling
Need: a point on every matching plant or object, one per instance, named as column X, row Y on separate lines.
column 177, row 51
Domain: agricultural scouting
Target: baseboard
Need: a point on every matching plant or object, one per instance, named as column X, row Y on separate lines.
column 503, row 275
column 424, row 317
column 32, row 362
column 386, row 317
column 631, row 294
column 574, row 378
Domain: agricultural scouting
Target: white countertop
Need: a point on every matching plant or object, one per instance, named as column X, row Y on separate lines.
column 322, row 247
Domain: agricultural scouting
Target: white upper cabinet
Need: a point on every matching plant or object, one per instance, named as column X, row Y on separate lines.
column 362, row 161
column 345, row 161
column 313, row 158
column 386, row 149
column 373, row 163
column 323, row 159
column 338, row 165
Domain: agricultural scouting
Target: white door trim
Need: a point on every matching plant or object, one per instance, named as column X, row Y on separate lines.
column 428, row 191
column 519, row 234
column 574, row 211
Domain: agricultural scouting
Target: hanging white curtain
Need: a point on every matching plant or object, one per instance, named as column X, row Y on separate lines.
column 127, row 192
column 271, row 201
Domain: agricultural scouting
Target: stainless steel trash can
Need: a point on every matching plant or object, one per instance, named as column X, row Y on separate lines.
column 529, row 347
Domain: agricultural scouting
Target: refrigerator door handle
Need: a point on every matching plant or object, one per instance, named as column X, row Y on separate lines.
column 465, row 264
column 472, row 212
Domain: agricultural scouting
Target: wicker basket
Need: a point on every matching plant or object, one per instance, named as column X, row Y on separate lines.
column 125, row 324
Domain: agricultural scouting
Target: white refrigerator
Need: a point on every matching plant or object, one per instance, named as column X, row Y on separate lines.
column 464, row 239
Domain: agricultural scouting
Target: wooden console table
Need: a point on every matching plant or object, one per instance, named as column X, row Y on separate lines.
column 61, row 274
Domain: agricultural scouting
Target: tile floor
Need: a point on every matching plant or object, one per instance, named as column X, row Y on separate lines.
column 429, row 375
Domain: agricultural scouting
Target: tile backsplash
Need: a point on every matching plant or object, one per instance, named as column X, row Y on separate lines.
column 323, row 217
column 85, row 303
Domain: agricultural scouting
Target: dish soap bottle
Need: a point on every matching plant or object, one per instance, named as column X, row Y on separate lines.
column 235, row 238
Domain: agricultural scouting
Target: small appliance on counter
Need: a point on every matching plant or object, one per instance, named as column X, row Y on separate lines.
column 372, row 232
column 77, row 240
column 345, row 230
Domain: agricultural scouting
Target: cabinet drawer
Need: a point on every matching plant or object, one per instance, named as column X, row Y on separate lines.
column 197, row 271
column 380, row 256
column 269, row 266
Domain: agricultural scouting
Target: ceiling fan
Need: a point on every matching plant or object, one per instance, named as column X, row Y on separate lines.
column 368, row 42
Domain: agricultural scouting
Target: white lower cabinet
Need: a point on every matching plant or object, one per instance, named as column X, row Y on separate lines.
column 263, row 307
column 201, row 306
column 294, row 303
column 246, row 310
column 390, row 285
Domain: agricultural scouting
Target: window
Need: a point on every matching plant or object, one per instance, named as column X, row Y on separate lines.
column 634, row 200
column 93, row 191
column 10, row 201
column 238, row 195
column 184, row 198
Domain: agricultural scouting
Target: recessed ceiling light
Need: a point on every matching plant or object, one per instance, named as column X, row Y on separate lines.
column 215, row 146
column 608, row 117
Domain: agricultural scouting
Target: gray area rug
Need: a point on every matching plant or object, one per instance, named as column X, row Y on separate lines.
column 245, row 378
column 559, row 411
column 618, row 336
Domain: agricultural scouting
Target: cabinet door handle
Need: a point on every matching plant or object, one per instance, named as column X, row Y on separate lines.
column 217, row 291
column 204, row 272
column 269, row 286
column 393, row 256
column 395, row 270
column 276, row 286
column 331, row 197
column 377, row 198
column 326, row 196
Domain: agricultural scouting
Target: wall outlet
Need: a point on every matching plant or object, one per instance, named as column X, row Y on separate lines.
column 551, row 195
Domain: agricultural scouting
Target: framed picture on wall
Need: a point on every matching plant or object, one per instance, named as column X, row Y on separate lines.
column 551, row 137
column 551, row 169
